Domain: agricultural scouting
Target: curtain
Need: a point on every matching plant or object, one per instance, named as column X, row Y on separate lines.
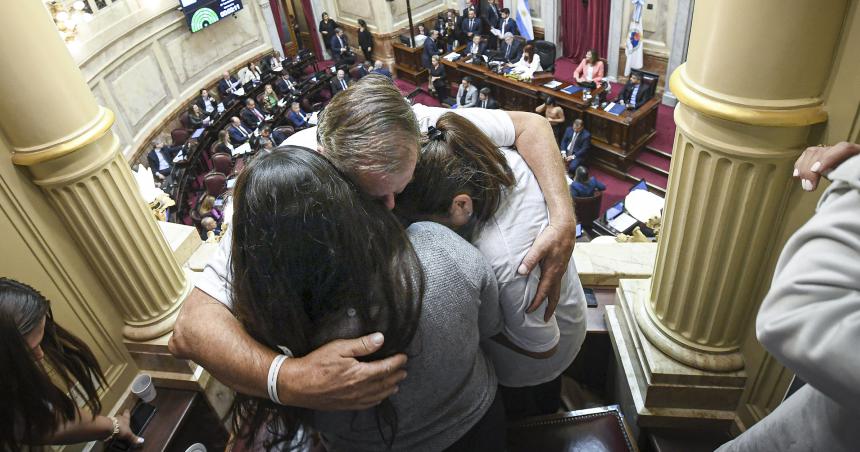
column 584, row 25
column 312, row 28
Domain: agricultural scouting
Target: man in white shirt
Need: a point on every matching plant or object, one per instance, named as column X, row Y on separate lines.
column 361, row 138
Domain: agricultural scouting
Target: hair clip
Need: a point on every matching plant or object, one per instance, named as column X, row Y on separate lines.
column 435, row 134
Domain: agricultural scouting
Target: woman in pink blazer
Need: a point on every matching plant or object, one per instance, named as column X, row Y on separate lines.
column 590, row 69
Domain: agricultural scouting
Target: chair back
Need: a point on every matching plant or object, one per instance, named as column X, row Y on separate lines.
column 353, row 73
column 649, row 80
column 546, row 51
column 587, row 209
column 183, row 119
column 179, row 136
column 222, row 163
column 286, row 130
column 215, row 183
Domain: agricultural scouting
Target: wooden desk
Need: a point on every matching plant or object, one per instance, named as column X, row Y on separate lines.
column 616, row 140
column 407, row 63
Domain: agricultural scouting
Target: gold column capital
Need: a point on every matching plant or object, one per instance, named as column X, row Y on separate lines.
column 756, row 112
column 89, row 133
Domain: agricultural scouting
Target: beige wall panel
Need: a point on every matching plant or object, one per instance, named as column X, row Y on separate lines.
column 140, row 88
column 355, row 9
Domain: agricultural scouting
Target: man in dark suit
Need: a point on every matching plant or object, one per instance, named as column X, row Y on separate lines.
column 297, row 117
column 633, row 94
column 575, row 145
column 339, row 83
column 160, row 159
column 485, row 101
column 506, row 24
column 251, row 116
column 378, row 68
column 430, row 49
column 511, row 50
column 227, row 86
column 491, row 16
column 340, row 48
column 239, row 134
column 286, row 86
column 476, row 48
column 471, row 25
column 365, row 68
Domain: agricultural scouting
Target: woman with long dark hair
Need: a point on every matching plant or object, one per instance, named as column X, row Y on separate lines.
column 314, row 260
column 34, row 411
column 365, row 40
column 528, row 64
column 491, row 197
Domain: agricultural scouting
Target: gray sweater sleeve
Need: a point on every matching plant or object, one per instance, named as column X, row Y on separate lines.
column 810, row 318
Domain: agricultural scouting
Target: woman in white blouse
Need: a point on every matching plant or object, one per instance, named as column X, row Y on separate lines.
column 250, row 73
column 528, row 64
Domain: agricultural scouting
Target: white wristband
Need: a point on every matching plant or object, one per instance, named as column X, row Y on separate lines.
column 272, row 383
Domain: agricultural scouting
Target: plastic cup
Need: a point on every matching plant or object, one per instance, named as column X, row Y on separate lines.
column 143, row 388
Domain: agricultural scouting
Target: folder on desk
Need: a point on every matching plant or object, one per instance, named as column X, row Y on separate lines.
column 241, row 150
column 239, row 92
column 572, row 89
column 616, row 109
column 197, row 133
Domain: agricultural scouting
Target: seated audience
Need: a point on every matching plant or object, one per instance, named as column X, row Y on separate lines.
column 809, row 317
column 196, row 117
column 51, row 379
column 491, row 197
column 286, row 86
column 379, row 68
column 297, row 117
column 365, row 40
column 364, row 68
column 584, row 185
column 575, row 145
column 227, row 86
column 528, row 64
column 340, row 48
column 250, row 74
column 209, row 225
column 508, row 25
column 160, row 159
column 251, row 116
column 238, row 133
column 471, row 25
column 554, row 114
column 269, row 99
column 206, row 102
column 438, row 84
column 207, row 208
column 324, row 242
column 476, row 49
column 339, row 83
column 590, row 70
column 223, row 144
column 467, row 94
column 485, row 100
column 510, row 50
column 633, row 94
column 430, row 49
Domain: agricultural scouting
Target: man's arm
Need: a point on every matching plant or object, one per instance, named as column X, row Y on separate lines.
column 554, row 246
column 584, row 146
column 330, row 378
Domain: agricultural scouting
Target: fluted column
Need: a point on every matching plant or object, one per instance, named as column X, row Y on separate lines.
column 63, row 137
column 749, row 93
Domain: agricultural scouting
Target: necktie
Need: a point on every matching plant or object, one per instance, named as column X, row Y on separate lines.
column 242, row 130
column 257, row 113
column 463, row 98
column 572, row 143
column 508, row 52
column 343, row 84
column 341, row 43
column 471, row 23
column 505, row 25
column 484, row 105
column 633, row 95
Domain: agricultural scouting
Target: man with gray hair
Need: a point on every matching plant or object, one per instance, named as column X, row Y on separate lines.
column 511, row 50
column 379, row 68
column 376, row 145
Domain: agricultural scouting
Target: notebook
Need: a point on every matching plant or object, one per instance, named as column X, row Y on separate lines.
column 616, row 109
column 572, row 89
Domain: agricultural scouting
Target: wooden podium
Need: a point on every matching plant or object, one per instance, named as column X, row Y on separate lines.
column 407, row 63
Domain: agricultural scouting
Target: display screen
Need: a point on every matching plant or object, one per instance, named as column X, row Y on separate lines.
column 202, row 13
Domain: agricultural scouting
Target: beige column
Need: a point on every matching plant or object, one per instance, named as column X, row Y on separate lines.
column 63, row 137
column 749, row 94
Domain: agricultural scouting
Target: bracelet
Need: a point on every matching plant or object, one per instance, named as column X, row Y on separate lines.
column 272, row 383
column 115, row 428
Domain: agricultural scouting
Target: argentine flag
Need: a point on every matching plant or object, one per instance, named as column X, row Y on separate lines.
column 524, row 20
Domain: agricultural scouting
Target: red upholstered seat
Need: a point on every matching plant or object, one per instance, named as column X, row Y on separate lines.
column 215, row 183
column 179, row 136
column 587, row 209
column 222, row 163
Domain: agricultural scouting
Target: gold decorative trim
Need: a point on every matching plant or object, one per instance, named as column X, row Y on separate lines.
column 788, row 117
column 97, row 129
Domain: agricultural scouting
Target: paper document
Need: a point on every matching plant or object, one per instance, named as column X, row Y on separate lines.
column 242, row 150
column 553, row 84
column 622, row 222
column 314, row 118
column 452, row 56
column 239, row 92
column 496, row 32
column 179, row 157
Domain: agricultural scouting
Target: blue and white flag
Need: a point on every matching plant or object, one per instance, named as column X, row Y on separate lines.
column 524, row 20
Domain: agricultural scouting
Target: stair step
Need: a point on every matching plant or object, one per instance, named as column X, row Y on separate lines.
column 658, row 152
column 653, row 168
column 652, row 187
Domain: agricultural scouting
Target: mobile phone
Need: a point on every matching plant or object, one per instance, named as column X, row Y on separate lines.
column 590, row 298
column 141, row 415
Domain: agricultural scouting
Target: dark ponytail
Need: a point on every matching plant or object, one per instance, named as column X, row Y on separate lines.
column 33, row 406
column 456, row 158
